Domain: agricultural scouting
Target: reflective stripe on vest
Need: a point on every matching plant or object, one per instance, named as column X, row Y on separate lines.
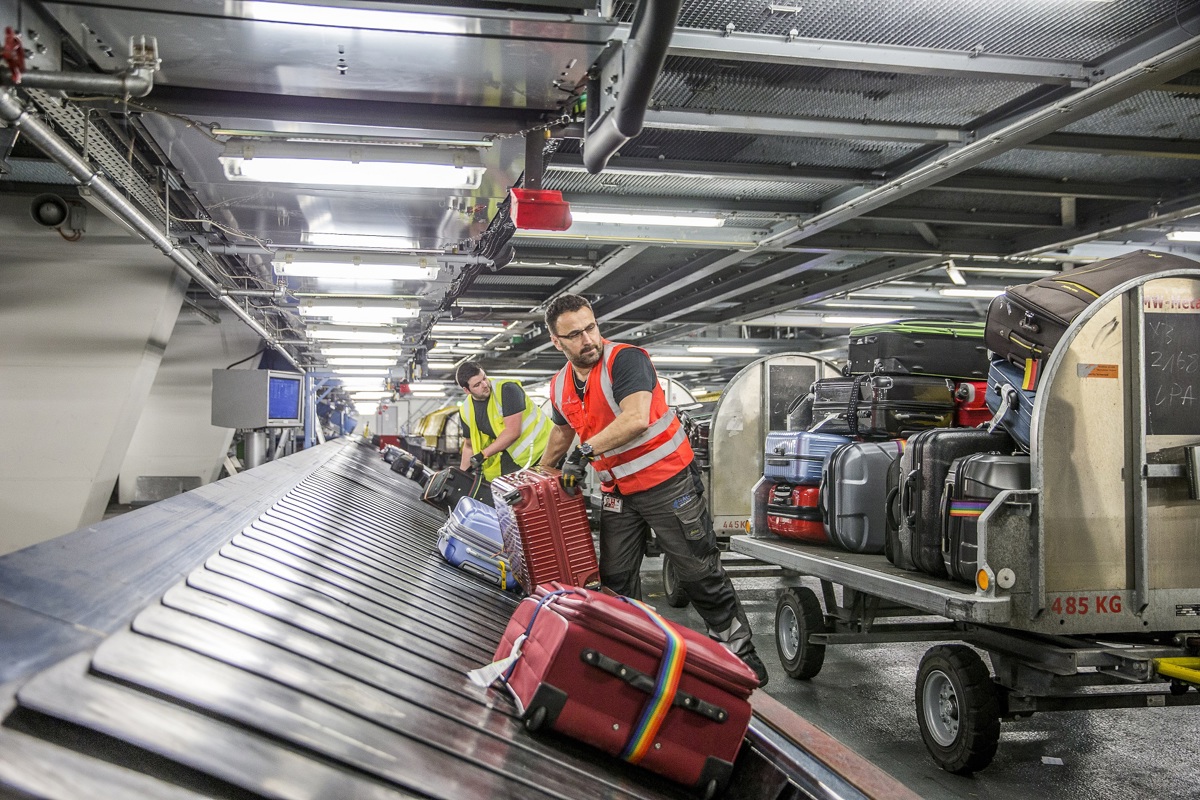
column 665, row 434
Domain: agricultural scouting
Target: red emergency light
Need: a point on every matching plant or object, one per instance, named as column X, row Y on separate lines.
column 540, row 210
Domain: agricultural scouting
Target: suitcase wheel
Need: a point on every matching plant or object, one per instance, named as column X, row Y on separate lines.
column 536, row 719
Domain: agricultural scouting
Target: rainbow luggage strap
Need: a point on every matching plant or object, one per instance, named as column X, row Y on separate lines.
column 968, row 508
column 670, row 670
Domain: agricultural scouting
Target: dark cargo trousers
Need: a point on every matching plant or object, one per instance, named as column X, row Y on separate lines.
column 678, row 513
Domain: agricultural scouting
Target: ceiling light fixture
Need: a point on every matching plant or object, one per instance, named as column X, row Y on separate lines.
column 956, row 277
column 1184, row 236
column 1014, row 271
column 874, row 306
column 362, row 362
column 428, row 394
column 380, row 372
column 479, row 327
column 976, row 293
column 366, row 350
column 837, row 319
column 722, row 350
column 356, row 268
column 352, row 335
column 329, row 164
column 622, row 218
column 369, row 19
column 664, row 359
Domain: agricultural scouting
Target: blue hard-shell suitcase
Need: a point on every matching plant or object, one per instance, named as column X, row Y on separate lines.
column 471, row 541
column 798, row 456
column 1011, row 406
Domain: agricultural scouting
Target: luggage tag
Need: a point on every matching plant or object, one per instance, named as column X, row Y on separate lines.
column 610, row 502
column 501, row 669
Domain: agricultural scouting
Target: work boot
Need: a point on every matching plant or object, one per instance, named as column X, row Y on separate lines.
column 755, row 663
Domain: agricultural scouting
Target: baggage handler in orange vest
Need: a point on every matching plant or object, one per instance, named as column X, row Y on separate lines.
column 608, row 393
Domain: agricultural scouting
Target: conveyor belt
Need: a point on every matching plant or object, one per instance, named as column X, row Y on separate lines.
column 319, row 650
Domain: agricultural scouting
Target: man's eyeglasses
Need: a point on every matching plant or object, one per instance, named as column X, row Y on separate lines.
column 573, row 336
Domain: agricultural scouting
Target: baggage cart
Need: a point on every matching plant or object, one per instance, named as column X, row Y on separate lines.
column 1087, row 593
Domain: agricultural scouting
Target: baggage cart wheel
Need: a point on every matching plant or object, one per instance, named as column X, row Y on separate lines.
column 958, row 710
column 676, row 594
column 798, row 614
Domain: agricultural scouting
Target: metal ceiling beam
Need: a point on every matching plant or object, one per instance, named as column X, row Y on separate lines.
column 629, row 202
column 831, row 284
column 568, row 162
column 956, row 216
column 227, row 105
column 873, row 57
column 1004, row 137
column 857, row 241
column 984, row 184
column 1143, row 146
column 1111, row 223
column 809, row 127
column 703, row 268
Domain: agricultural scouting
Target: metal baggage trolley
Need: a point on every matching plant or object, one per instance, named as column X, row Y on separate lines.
column 1087, row 594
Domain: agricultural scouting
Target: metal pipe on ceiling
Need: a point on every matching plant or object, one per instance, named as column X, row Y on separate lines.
column 135, row 83
column 14, row 113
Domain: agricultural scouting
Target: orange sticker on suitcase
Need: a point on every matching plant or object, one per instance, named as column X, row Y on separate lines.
column 1097, row 371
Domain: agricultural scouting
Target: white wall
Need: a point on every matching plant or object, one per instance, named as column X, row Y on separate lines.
column 174, row 435
column 83, row 326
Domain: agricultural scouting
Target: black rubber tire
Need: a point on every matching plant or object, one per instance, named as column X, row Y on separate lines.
column 536, row 719
column 677, row 596
column 958, row 708
column 797, row 615
column 710, row 790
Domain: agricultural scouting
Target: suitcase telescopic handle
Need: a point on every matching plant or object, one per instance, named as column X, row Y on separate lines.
column 644, row 683
column 907, row 514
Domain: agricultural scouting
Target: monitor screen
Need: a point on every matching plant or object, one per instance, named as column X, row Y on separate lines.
column 283, row 398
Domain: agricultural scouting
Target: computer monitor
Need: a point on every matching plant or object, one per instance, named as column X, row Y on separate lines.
column 257, row 398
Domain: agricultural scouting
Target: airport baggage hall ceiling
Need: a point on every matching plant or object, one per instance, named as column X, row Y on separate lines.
column 802, row 166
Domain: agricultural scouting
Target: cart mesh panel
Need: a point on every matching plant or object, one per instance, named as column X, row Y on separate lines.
column 782, row 90
column 1073, row 31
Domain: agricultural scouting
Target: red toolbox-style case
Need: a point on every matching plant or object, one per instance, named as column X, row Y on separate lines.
column 970, row 404
column 545, row 529
column 795, row 513
column 592, row 666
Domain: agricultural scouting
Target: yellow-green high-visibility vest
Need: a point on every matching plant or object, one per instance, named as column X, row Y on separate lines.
column 527, row 450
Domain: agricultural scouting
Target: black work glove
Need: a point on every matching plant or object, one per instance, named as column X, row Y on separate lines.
column 476, row 464
column 574, row 468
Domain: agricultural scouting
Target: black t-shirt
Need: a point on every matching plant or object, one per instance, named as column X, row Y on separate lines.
column 512, row 401
column 632, row 372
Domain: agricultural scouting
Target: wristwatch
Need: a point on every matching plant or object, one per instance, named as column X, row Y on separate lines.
column 586, row 450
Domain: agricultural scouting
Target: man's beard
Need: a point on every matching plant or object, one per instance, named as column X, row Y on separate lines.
column 586, row 358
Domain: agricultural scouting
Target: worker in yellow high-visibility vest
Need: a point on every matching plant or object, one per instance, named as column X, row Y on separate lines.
column 505, row 431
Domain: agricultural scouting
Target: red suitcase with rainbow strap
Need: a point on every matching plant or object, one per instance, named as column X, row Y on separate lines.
column 610, row 672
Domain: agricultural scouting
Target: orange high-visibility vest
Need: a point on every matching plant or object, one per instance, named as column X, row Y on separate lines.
column 661, row 452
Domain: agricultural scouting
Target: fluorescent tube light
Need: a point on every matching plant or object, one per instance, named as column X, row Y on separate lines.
column 426, row 386
column 722, row 350
column 1014, row 271
column 358, row 316
column 1184, row 236
column 362, row 362
column 370, row 395
column 428, row 394
column 874, row 306
column 380, row 350
column 880, row 296
column 853, row 320
column 980, row 293
column 370, row 19
column 381, row 372
column 622, row 218
column 458, row 327
column 356, row 272
column 440, row 365
column 366, row 409
column 333, row 164
column 955, row 276
column 351, row 335
column 681, row 359
column 357, row 241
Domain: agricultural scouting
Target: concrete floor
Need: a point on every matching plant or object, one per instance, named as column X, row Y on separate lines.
column 864, row 696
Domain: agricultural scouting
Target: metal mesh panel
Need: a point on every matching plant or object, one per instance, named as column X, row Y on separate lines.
column 1077, row 31
column 1155, row 114
column 100, row 151
column 31, row 170
column 746, row 87
column 506, row 279
column 1086, row 166
column 978, row 201
column 686, row 186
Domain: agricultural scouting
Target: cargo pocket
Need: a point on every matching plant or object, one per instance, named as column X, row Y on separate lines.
column 692, row 516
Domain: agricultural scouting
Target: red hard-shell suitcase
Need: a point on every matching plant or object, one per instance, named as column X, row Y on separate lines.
column 970, row 404
column 599, row 668
column 545, row 529
column 794, row 512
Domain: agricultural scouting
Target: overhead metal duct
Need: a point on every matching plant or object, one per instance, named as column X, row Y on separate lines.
column 14, row 113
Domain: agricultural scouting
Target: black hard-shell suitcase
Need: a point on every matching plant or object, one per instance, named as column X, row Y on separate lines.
column 882, row 406
column 1028, row 320
column 854, row 492
column 972, row 482
column 927, row 458
column 938, row 348
column 410, row 466
column 446, row 487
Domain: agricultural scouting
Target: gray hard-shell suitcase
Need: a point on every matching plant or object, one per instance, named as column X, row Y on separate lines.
column 854, row 493
column 972, row 482
column 927, row 458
